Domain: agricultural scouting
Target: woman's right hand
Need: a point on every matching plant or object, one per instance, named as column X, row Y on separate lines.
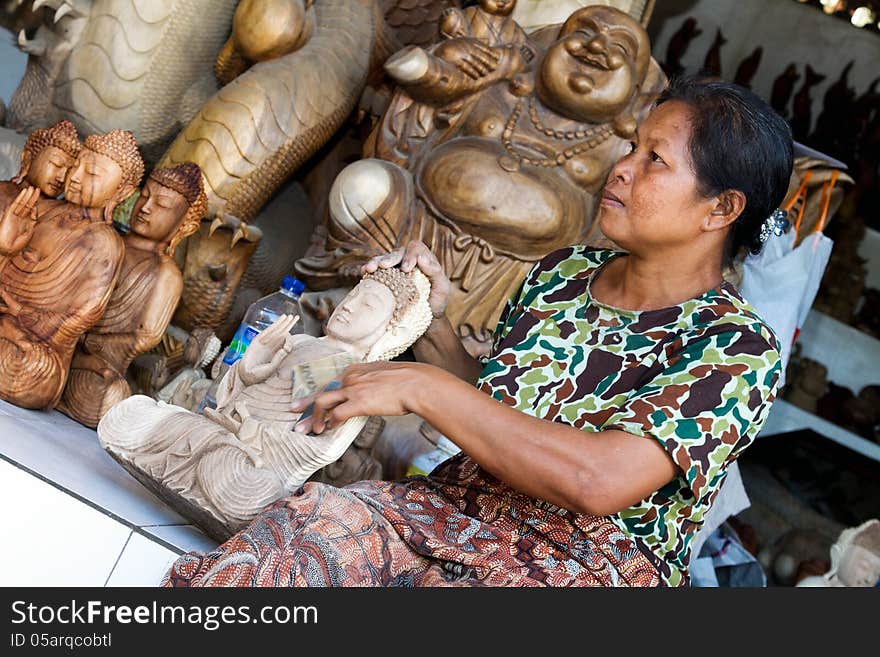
column 416, row 254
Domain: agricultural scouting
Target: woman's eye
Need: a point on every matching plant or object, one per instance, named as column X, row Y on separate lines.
column 632, row 146
column 655, row 157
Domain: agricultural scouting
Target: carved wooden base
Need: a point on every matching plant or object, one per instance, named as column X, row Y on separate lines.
column 213, row 527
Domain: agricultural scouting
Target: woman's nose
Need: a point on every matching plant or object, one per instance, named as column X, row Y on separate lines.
column 621, row 171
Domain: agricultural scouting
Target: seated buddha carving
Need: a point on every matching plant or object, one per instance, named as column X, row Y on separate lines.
column 491, row 153
column 168, row 210
column 57, row 288
column 47, row 156
column 221, row 468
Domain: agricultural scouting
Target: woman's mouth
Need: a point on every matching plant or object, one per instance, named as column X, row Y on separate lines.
column 610, row 200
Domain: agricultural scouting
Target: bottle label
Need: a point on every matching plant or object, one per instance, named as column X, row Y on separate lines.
column 240, row 342
column 423, row 464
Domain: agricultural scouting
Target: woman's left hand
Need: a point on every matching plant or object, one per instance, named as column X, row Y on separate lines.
column 371, row 389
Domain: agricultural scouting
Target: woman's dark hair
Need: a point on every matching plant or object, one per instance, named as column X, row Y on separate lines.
column 737, row 142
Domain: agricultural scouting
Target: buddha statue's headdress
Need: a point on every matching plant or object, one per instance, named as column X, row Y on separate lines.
column 121, row 147
column 412, row 313
column 62, row 135
column 185, row 179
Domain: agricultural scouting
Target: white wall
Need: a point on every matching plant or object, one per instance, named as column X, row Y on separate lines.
column 787, row 30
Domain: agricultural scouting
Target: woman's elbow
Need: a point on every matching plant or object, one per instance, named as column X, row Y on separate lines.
column 594, row 494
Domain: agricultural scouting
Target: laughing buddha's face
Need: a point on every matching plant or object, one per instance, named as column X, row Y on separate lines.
column 591, row 73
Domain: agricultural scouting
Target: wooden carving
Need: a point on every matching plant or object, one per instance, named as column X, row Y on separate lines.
column 783, row 87
column 58, row 286
column 491, row 152
column 535, row 14
column 263, row 30
column 168, row 210
column 748, row 67
column 214, row 261
column 802, row 108
column 46, row 158
column 712, row 63
column 678, row 45
column 220, row 469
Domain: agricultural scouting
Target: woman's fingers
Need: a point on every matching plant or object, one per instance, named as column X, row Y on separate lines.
column 417, row 254
column 323, row 403
column 386, row 260
column 301, row 404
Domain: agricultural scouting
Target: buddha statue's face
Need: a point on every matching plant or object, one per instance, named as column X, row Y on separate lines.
column 498, row 7
column 592, row 71
column 364, row 314
column 49, row 170
column 859, row 567
column 158, row 212
column 93, row 181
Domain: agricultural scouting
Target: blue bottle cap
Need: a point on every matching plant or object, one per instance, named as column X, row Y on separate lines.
column 292, row 284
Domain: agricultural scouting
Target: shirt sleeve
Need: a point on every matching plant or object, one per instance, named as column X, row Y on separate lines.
column 508, row 318
column 707, row 404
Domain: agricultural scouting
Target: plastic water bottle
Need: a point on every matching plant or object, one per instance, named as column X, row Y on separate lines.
column 424, row 463
column 262, row 313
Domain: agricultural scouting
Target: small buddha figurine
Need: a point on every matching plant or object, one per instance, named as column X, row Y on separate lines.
column 58, row 287
column 47, row 156
column 855, row 559
column 169, row 209
column 221, row 468
column 490, row 22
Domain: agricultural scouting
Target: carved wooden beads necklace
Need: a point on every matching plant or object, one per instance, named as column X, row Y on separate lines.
column 593, row 136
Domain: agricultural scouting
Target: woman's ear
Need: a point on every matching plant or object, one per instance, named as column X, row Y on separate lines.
column 729, row 205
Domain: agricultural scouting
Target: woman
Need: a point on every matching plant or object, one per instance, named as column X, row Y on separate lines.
column 620, row 387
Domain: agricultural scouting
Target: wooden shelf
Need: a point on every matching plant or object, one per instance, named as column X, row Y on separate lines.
column 786, row 417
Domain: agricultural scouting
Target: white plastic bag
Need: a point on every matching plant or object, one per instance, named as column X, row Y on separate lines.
column 781, row 283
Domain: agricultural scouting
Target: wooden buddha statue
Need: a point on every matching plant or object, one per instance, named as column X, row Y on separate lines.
column 46, row 158
column 491, row 153
column 221, row 468
column 58, row 287
column 169, row 209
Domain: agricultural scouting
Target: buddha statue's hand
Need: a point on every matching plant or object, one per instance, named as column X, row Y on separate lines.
column 8, row 303
column 417, row 254
column 18, row 221
column 470, row 56
column 269, row 348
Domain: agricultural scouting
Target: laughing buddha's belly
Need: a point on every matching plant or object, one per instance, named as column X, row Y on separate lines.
column 528, row 212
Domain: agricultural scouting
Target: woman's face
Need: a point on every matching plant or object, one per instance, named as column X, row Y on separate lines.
column 651, row 200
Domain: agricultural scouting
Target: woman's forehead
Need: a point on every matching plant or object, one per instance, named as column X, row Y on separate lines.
column 670, row 121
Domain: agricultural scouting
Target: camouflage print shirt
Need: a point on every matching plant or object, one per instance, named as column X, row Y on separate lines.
column 698, row 377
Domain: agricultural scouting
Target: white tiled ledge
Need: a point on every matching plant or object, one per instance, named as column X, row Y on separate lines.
column 71, row 516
